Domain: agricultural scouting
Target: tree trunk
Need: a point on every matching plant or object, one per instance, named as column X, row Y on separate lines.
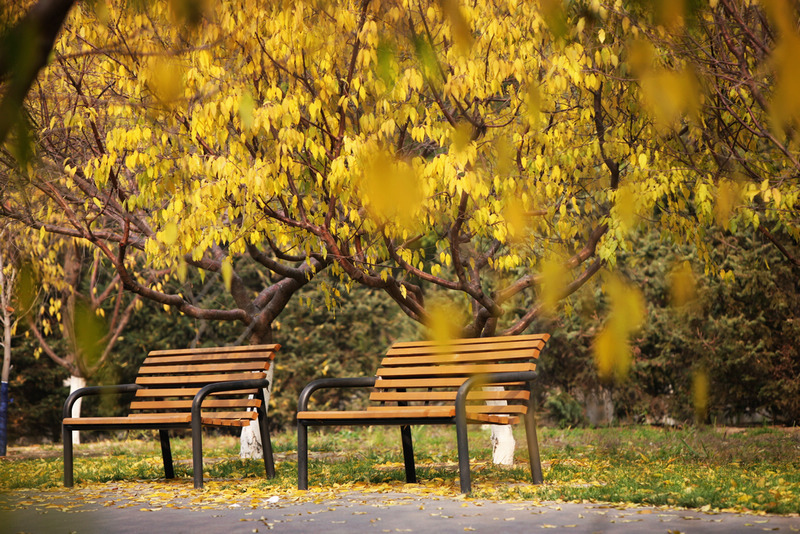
column 503, row 445
column 4, row 388
column 6, row 287
column 502, row 437
column 250, row 440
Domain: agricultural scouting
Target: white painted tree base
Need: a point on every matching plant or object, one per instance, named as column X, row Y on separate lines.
column 250, row 439
column 75, row 383
column 502, row 439
column 250, row 442
column 503, row 445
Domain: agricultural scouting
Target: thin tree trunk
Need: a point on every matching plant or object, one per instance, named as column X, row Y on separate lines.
column 250, row 440
column 4, row 381
column 502, row 437
column 6, row 289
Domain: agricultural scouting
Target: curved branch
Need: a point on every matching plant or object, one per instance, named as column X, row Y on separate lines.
column 533, row 313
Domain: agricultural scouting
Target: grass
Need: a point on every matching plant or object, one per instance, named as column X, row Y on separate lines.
column 704, row 468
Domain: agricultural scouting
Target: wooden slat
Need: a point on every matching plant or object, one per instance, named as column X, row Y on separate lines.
column 231, row 415
column 459, row 357
column 187, row 404
column 186, row 392
column 212, row 415
column 211, row 421
column 196, row 379
column 472, row 408
column 158, row 418
column 506, row 409
column 433, row 396
column 217, row 367
column 492, row 419
column 216, row 350
column 208, row 358
column 452, row 382
column 470, row 344
column 455, row 370
column 407, row 412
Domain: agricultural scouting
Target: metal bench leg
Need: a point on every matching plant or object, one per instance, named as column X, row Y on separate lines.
column 463, row 450
column 266, row 443
column 166, row 453
column 302, row 456
column 197, row 452
column 533, row 443
column 408, row 454
column 66, row 436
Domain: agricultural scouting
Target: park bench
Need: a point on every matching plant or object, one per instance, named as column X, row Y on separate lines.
column 425, row 383
column 186, row 389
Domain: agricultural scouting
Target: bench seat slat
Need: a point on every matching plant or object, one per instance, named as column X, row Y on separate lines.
column 161, row 418
column 478, row 343
column 187, row 404
column 208, row 358
column 471, row 408
column 454, row 370
column 224, row 351
column 457, row 357
column 423, row 396
column 189, row 392
column 218, row 367
column 196, row 379
column 405, row 412
column 451, row 382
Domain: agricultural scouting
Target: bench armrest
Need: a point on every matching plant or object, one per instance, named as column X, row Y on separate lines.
column 217, row 387
column 490, row 378
column 327, row 383
column 96, row 390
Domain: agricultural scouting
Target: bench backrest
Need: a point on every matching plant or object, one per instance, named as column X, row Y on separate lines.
column 171, row 379
column 430, row 373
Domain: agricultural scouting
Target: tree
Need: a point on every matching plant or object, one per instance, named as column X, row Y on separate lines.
column 83, row 182
column 719, row 81
column 16, row 299
column 462, row 148
column 499, row 151
column 88, row 308
column 8, row 275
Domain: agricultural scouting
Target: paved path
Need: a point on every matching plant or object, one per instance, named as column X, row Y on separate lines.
column 355, row 513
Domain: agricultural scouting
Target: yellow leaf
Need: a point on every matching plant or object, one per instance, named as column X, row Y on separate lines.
column 169, row 234
column 246, row 107
column 227, row 273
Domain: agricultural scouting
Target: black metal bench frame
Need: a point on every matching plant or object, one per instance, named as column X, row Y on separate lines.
column 459, row 420
column 195, row 425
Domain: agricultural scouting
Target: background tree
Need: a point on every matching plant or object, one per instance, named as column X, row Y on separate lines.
column 719, row 81
column 85, row 306
column 8, row 276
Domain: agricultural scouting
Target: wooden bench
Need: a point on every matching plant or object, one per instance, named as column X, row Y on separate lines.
column 423, row 383
column 186, row 389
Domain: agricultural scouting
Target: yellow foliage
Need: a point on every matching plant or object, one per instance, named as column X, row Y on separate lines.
column 683, row 288
column 700, row 392
column 612, row 350
column 553, row 284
